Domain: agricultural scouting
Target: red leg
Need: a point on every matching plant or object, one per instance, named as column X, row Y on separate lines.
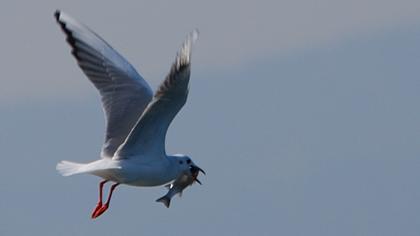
column 106, row 205
column 99, row 205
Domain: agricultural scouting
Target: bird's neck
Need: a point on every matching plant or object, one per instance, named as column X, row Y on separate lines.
column 173, row 167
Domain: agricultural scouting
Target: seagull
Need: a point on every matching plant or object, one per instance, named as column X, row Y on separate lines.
column 136, row 118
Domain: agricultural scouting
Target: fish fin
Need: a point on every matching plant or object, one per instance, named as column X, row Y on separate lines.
column 180, row 194
column 165, row 200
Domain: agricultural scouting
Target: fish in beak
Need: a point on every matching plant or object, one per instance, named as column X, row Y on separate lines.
column 180, row 183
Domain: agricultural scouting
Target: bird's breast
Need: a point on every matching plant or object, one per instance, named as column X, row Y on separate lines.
column 146, row 174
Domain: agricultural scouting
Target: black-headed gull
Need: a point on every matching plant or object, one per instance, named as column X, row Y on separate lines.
column 136, row 120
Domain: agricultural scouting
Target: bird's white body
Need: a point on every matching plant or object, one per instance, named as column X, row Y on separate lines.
column 125, row 171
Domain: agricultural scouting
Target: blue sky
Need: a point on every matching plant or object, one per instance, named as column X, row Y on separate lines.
column 305, row 117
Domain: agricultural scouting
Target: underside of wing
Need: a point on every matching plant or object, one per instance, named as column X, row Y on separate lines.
column 124, row 93
column 147, row 139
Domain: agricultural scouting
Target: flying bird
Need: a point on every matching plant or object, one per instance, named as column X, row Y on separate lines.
column 136, row 118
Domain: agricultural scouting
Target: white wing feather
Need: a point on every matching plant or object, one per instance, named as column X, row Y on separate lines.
column 147, row 139
column 124, row 93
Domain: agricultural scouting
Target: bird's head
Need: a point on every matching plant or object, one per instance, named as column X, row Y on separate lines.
column 186, row 166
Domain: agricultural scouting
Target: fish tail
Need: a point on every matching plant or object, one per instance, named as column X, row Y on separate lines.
column 165, row 200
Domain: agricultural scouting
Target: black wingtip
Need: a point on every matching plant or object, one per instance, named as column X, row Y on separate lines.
column 57, row 14
column 68, row 33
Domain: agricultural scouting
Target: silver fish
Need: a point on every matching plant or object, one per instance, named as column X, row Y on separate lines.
column 179, row 184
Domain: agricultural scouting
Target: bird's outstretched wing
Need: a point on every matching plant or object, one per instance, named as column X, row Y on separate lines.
column 147, row 139
column 124, row 93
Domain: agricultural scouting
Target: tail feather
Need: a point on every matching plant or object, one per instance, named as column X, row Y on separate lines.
column 165, row 200
column 67, row 168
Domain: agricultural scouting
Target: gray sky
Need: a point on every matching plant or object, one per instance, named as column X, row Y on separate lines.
column 304, row 114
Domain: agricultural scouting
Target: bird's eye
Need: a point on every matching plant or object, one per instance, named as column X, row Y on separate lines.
column 188, row 161
column 181, row 162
